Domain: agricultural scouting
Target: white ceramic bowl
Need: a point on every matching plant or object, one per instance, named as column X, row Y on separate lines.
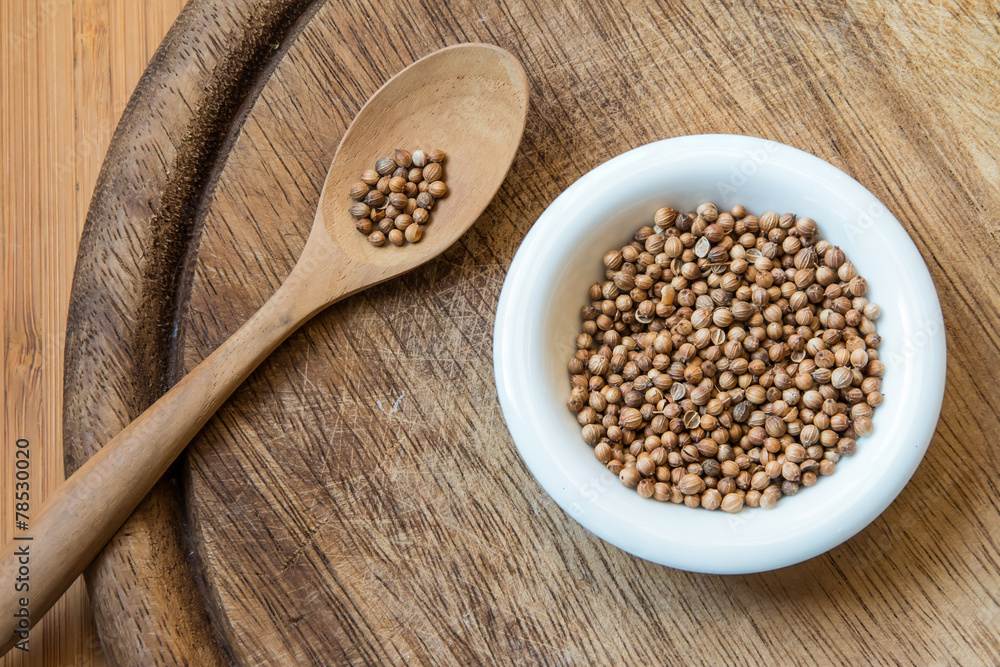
column 538, row 321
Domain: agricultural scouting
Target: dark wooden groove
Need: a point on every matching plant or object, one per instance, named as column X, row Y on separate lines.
column 266, row 32
column 235, row 87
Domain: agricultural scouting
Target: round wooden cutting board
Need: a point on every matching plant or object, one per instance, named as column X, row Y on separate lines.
column 359, row 500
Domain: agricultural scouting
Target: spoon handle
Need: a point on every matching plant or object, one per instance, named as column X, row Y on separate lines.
column 80, row 516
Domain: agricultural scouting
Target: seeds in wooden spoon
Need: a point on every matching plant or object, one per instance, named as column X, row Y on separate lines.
column 726, row 360
column 398, row 195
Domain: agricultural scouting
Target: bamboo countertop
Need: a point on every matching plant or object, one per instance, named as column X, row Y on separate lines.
column 68, row 69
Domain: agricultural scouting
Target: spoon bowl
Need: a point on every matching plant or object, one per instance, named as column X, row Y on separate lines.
column 470, row 101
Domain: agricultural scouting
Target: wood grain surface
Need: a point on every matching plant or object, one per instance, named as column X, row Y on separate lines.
column 359, row 500
column 68, row 69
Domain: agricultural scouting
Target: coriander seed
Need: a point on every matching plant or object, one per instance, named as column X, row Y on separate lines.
column 732, row 503
column 403, row 221
column 425, row 201
column 432, row 172
column 403, row 158
column 397, row 200
column 437, row 189
column 691, row 484
column 630, row 477
column 358, row 191
column 374, row 199
column 413, row 233
column 711, row 499
column 385, row 166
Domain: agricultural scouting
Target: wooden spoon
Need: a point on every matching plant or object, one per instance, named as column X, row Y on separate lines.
column 471, row 101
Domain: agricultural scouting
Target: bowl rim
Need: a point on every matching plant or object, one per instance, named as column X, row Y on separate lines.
column 526, row 421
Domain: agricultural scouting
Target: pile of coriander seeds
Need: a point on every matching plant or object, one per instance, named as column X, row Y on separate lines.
column 393, row 201
column 726, row 360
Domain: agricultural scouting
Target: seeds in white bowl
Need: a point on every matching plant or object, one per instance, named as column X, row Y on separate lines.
column 726, row 360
